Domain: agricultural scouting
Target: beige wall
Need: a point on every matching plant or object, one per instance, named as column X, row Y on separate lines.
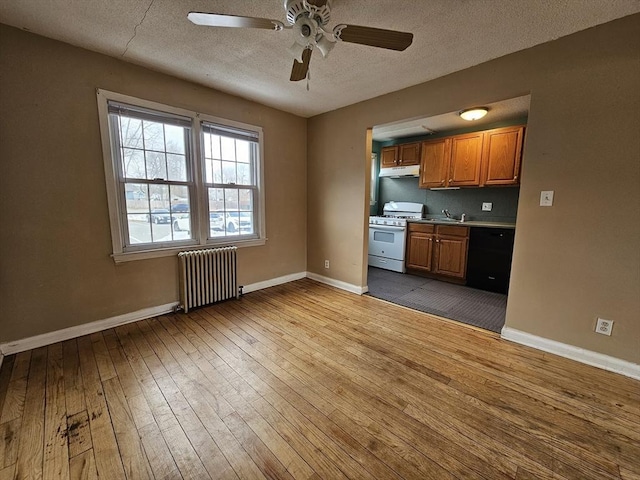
column 55, row 269
column 573, row 262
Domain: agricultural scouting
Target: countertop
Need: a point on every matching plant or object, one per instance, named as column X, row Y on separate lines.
column 469, row 223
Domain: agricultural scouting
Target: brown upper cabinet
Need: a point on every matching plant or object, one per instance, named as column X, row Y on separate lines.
column 389, row 156
column 501, row 156
column 490, row 157
column 434, row 163
column 466, row 155
column 400, row 155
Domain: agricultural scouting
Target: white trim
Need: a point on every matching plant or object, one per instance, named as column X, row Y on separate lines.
column 273, row 282
column 49, row 338
column 17, row 346
column 337, row 283
column 196, row 185
column 173, row 251
column 595, row 359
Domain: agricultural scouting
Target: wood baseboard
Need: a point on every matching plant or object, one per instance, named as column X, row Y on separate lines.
column 595, row 359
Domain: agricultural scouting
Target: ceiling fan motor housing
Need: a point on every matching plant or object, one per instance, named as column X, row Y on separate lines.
column 319, row 10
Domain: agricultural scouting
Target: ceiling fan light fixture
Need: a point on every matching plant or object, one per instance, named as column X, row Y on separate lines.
column 296, row 51
column 475, row 113
column 325, row 45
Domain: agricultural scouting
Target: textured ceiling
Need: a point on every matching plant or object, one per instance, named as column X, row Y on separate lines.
column 449, row 35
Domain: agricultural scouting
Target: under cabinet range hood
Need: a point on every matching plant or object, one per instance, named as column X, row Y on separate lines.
column 397, row 172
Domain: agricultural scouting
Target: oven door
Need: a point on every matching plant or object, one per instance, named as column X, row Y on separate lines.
column 387, row 241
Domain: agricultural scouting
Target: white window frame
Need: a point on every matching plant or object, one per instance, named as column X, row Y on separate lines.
column 199, row 201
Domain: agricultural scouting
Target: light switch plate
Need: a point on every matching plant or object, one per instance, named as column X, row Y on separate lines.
column 546, row 198
column 487, row 206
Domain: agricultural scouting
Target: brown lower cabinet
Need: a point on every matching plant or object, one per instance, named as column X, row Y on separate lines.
column 438, row 249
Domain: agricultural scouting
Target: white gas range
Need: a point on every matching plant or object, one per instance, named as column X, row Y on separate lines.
column 388, row 234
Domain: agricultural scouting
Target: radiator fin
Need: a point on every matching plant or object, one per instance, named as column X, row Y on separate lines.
column 207, row 276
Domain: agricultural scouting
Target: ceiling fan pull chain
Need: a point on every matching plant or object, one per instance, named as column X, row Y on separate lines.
column 308, row 77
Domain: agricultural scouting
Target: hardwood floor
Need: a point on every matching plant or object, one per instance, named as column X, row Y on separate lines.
column 303, row 381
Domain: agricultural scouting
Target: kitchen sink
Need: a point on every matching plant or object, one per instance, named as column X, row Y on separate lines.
column 441, row 219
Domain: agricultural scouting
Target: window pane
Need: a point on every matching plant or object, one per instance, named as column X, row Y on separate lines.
column 180, row 212
column 213, row 171
column 131, row 132
column 179, row 196
column 246, row 214
column 215, row 147
column 217, row 171
column 246, row 199
column 153, row 135
column 137, row 204
column 156, row 165
column 159, row 196
column 216, row 212
column 228, row 172
column 133, row 163
column 228, row 148
column 177, row 167
column 244, row 174
column 207, row 145
column 242, row 151
column 230, row 199
column 139, row 230
column 174, row 139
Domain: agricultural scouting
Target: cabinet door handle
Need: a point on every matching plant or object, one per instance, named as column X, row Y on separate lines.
column 515, row 177
column 437, row 241
column 450, row 180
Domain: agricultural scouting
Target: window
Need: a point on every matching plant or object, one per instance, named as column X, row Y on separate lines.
column 178, row 179
column 374, row 179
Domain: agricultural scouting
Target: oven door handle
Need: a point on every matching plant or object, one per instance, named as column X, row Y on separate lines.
column 387, row 228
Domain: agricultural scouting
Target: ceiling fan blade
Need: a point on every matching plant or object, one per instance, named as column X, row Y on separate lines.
column 233, row 21
column 300, row 69
column 374, row 37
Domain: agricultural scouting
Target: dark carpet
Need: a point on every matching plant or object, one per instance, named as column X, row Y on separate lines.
column 456, row 302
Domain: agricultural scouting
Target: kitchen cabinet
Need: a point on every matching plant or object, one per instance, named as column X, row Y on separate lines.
column 409, row 153
column 438, row 249
column 451, row 161
column 389, row 156
column 485, row 158
column 400, row 155
column 502, row 156
column 434, row 163
column 465, row 162
column 420, row 246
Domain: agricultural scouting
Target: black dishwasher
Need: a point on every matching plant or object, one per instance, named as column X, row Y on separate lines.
column 489, row 260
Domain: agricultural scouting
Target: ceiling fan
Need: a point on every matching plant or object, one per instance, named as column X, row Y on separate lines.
column 308, row 20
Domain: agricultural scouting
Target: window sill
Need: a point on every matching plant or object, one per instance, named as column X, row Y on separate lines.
column 173, row 251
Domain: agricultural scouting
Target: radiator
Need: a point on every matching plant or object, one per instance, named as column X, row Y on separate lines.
column 207, row 276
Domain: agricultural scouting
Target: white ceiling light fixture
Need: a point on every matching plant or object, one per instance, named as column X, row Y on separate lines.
column 475, row 113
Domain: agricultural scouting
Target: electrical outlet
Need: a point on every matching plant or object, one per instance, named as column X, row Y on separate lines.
column 326, row 264
column 546, row 198
column 604, row 326
column 487, row 206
